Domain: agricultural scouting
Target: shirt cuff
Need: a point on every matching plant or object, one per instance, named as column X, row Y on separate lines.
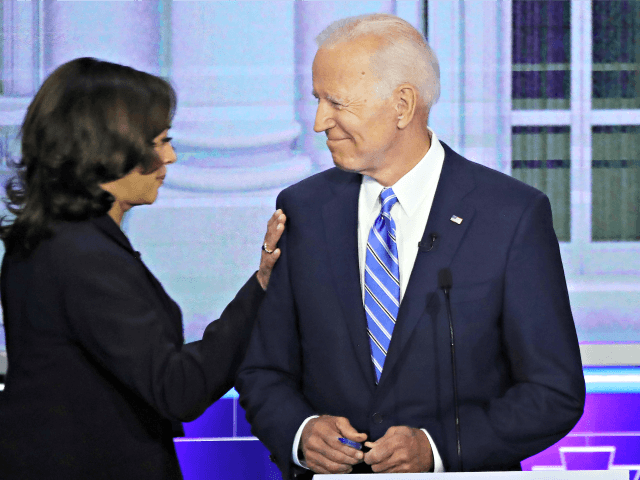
column 296, row 444
column 438, row 466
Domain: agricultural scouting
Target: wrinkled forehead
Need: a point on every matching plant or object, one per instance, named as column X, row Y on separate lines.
column 346, row 67
column 347, row 60
column 349, row 52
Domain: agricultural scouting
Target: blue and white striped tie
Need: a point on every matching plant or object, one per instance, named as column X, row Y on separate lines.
column 382, row 281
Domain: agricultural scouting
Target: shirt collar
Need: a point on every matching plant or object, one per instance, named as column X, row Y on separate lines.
column 410, row 188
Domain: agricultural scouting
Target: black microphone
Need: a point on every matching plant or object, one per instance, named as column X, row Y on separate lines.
column 427, row 247
column 445, row 282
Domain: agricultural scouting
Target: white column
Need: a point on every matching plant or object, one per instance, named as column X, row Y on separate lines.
column 481, row 125
column 20, row 48
column 468, row 38
column 581, row 123
column 233, row 66
column 120, row 32
column 20, row 74
column 413, row 12
column 39, row 36
column 311, row 18
column 20, row 58
column 445, row 38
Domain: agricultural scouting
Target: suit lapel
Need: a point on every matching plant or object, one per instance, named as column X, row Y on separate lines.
column 454, row 184
column 106, row 225
column 340, row 216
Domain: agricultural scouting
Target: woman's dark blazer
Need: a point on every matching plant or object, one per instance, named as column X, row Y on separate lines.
column 99, row 376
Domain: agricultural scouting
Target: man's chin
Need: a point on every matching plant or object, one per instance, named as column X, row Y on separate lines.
column 346, row 164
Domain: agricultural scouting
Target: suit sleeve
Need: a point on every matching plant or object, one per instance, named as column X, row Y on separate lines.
column 540, row 342
column 269, row 381
column 120, row 322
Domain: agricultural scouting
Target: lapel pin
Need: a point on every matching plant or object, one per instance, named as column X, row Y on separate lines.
column 456, row 219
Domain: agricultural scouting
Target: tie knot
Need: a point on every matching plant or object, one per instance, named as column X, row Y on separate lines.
column 388, row 199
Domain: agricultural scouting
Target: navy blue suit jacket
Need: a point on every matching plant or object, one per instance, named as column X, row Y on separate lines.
column 99, row 376
column 520, row 381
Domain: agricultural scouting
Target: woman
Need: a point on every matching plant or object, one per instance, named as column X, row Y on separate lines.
column 99, row 378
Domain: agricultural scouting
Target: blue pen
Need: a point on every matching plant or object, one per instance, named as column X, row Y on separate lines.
column 350, row 443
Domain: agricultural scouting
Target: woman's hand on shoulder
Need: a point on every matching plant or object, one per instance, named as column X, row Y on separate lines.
column 270, row 252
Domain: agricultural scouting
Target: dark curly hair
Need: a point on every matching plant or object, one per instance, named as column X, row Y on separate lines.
column 90, row 123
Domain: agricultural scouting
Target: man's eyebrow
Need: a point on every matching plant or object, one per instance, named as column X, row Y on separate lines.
column 334, row 99
column 329, row 97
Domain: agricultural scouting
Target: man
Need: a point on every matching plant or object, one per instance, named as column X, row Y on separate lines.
column 353, row 338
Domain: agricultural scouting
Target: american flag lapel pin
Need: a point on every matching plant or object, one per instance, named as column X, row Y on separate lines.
column 456, row 219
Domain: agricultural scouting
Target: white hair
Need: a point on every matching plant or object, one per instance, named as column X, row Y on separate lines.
column 404, row 57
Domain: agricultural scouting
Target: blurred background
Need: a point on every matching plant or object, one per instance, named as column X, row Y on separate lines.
column 547, row 91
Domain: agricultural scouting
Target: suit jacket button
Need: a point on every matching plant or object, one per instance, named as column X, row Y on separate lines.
column 377, row 418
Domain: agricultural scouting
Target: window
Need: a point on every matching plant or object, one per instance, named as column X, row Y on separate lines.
column 615, row 181
column 541, row 158
column 616, row 54
column 575, row 120
column 541, row 65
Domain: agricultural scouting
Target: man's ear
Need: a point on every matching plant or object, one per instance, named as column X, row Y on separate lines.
column 406, row 97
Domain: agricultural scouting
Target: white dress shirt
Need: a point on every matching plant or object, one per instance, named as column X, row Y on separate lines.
column 415, row 192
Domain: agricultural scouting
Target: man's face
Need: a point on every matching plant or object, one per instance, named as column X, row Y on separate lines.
column 360, row 126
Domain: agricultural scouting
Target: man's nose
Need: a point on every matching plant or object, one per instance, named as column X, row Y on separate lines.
column 324, row 119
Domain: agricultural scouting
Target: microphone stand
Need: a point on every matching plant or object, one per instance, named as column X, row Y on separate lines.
column 445, row 280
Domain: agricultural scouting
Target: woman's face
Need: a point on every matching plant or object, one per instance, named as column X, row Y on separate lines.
column 137, row 188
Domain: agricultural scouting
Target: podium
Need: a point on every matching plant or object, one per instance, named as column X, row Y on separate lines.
column 538, row 475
